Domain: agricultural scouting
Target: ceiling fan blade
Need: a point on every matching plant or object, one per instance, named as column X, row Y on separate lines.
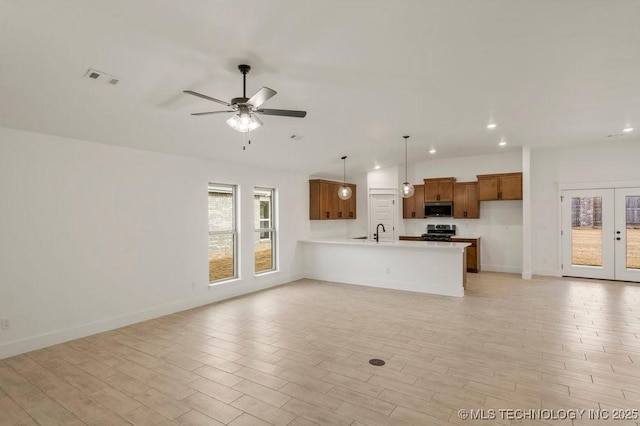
column 211, row 112
column 209, row 98
column 261, row 96
column 283, row 112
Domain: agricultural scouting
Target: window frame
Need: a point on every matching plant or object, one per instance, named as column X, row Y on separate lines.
column 233, row 231
column 272, row 229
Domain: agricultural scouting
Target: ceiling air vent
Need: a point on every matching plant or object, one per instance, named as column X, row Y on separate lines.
column 102, row 77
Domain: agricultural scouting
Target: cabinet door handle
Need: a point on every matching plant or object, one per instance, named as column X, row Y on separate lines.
column 340, row 214
column 413, row 214
column 350, row 214
column 328, row 215
column 438, row 197
column 499, row 195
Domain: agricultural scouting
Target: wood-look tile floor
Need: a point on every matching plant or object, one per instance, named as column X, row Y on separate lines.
column 298, row 355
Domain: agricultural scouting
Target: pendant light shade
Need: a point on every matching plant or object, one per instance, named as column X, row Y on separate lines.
column 344, row 192
column 406, row 189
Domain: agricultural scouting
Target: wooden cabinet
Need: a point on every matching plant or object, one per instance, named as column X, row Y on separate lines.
column 505, row 186
column 473, row 253
column 324, row 203
column 465, row 200
column 413, row 208
column 403, row 238
column 438, row 189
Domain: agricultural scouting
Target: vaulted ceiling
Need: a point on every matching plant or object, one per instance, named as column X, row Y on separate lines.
column 547, row 72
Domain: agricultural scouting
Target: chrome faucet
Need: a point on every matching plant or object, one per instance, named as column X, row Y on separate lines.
column 377, row 235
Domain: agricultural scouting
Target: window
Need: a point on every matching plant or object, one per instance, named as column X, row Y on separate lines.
column 265, row 233
column 223, row 235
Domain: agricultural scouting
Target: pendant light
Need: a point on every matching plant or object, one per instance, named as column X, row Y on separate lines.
column 406, row 188
column 345, row 190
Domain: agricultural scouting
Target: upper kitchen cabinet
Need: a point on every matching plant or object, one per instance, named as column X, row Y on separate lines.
column 438, row 189
column 465, row 200
column 505, row 186
column 413, row 207
column 324, row 203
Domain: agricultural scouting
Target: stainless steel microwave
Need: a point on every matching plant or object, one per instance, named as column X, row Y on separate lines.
column 439, row 209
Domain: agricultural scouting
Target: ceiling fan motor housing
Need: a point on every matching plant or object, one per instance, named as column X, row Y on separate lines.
column 239, row 101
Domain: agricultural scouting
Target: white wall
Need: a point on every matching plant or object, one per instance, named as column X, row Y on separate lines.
column 602, row 162
column 386, row 178
column 500, row 223
column 93, row 236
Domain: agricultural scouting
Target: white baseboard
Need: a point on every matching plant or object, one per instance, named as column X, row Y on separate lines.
column 217, row 294
column 547, row 272
column 501, row 268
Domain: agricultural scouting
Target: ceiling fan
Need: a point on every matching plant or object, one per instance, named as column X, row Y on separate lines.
column 245, row 109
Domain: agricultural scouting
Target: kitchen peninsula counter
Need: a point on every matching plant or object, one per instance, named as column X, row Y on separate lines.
column 425, row 267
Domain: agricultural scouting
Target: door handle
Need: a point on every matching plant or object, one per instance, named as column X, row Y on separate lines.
column 617, row 232
column 618, row 238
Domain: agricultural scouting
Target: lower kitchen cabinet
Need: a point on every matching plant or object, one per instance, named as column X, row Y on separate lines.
column 473, row 252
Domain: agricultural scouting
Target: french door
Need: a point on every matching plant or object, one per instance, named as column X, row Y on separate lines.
column 601, row 233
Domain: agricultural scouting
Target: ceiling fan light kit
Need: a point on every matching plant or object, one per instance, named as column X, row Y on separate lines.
column 245, row 120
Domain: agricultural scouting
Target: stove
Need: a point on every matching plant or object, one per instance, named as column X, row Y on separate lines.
column 439, row 233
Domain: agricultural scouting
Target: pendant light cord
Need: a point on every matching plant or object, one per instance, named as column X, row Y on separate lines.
column 344, row 171
column 406, row 161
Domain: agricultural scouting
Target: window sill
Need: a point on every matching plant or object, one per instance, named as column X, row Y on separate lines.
column 223, row 282
column 269, row 272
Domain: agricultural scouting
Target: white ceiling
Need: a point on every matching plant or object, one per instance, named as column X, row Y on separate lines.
column 548, row 72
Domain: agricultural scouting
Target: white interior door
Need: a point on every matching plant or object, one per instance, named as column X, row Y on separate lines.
column 383, row 208
column 588, row 233
column 627, row 234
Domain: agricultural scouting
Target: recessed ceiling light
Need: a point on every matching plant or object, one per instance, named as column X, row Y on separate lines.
column 492, row 126
column 377, row 167
column 502, row 143
column 432, row 151
column 627, row 129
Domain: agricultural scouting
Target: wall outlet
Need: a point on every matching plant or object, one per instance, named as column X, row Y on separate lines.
column 5, row 324
column 388, row 270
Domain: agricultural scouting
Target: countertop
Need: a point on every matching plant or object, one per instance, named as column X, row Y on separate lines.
column 418, row 245
column 455, row 236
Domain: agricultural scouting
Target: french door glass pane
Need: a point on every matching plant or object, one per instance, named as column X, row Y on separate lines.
column 632, row 204
column 586, row 231
column 263, row 251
